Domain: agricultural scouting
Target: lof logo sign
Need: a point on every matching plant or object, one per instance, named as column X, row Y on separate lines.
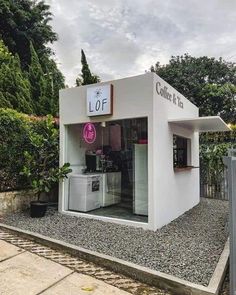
column 99, row 100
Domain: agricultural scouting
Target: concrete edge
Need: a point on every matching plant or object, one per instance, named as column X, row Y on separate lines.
column 220, row 270
column 146, row 275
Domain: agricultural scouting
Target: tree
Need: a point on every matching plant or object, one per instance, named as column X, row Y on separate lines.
column 207, row 82
column 33, row 92
column 86, row 77
column 37, row 82
column 25, row 24
column 219, row 100
column 14, row 86
column 45, row 84
column 25, row 21
column 54, row 82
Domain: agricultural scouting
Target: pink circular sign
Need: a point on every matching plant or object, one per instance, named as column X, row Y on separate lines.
column 89, row 133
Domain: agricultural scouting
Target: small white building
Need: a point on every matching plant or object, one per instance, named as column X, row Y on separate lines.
column 133, row 146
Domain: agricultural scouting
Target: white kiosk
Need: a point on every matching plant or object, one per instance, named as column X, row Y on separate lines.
column 133, row 147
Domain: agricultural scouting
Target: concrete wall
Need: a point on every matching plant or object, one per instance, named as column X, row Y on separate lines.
column 15, row 201
column 174, row 192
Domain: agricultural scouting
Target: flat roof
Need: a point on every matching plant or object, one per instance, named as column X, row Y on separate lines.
column 202, row 124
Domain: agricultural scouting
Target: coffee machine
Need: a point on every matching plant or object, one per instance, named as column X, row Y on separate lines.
column 93, row 162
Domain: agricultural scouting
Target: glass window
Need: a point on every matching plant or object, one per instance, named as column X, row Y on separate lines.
column 181, row 151
column 117, row 153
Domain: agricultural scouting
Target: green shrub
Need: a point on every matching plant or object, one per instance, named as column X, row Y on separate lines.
column 211, row 159
column 213, row 147
column 41, row 162
column 14, row 128
column 27, row 142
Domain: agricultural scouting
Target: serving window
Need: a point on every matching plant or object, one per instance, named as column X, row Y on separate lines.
column 181, row 151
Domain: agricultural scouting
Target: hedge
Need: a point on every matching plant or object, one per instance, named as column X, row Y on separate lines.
column 15, row 131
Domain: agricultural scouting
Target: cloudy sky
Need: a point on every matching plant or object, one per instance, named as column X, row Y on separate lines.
column 125, row 37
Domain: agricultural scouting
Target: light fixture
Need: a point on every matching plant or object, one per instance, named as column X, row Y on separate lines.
column 89, row 133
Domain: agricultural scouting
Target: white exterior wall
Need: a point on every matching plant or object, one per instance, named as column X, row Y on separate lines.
column 170, row 193
column 133, row 98
column 174, row 192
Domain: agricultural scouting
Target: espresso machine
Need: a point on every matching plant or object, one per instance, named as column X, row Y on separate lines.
column 93, row 163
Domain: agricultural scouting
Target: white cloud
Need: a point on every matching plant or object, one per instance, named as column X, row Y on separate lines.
column 124, row 37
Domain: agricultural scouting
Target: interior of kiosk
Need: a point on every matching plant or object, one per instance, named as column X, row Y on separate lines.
column 110, row 168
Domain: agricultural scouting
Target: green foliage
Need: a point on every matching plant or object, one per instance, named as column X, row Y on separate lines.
column 25, row 30
column 86, row 77
column 45, row 84
column 14, row 128
column 213, row 147
column 212, row 156
column 219, row 100
column 37, row 82
column 5, row 55
column 219, row 137
column 29, row 152
column 41, row 166
column 207, row 82
column 54, row 81
column 14, row 86
column 25, row 21
column 32, row 92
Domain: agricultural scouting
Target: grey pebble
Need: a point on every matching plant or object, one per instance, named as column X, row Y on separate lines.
column 189, row 247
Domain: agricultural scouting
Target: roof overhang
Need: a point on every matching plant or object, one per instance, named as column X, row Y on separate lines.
column 202, row 124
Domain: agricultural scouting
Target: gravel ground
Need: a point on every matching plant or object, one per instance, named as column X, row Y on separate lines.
column 188, row 247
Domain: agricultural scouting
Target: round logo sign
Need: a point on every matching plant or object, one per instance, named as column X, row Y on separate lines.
column 89, row 133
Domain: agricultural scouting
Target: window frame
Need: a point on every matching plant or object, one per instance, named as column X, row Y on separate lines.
column 186, row 148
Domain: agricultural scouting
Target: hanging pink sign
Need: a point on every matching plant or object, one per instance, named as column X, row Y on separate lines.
column 89, row 133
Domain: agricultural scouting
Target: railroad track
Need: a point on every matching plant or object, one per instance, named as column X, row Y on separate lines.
column 81, row 266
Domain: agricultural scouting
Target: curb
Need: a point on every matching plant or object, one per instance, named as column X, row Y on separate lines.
column 143, row 274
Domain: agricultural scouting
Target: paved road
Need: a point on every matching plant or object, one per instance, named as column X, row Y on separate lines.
column 25, row 273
